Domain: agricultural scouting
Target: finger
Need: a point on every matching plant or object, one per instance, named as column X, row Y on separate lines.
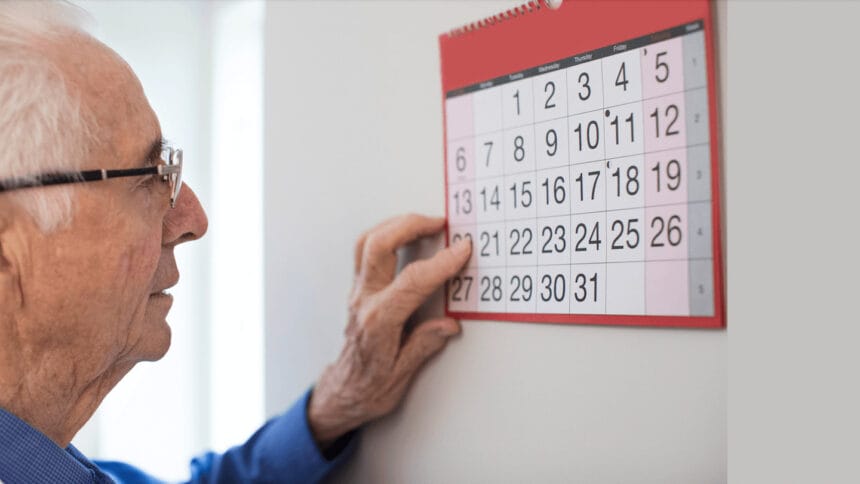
column 359, row 244
column 400, row 231
column 379, row 261
column 426, row 340
column 359, row 250
column 420, row 279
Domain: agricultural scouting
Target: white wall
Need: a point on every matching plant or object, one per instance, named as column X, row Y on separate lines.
column 353, row 135
column 794, row 264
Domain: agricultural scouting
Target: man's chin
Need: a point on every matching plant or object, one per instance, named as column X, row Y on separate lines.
column 157, row 342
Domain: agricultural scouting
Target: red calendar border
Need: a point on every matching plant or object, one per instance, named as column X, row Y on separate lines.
column 541, row 36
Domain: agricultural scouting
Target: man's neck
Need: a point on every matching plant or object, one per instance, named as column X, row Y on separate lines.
column 48, row 392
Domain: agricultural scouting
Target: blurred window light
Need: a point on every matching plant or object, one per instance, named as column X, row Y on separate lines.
column 201, row 67
column 236, row 379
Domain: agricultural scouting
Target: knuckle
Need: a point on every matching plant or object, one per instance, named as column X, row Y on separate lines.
column 409, row 274
column 410, row 221
column 370, row 314
column 412, row 277
column 373, row 244
column 395, row 221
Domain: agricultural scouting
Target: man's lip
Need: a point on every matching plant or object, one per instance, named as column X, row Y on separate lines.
column 170, row 285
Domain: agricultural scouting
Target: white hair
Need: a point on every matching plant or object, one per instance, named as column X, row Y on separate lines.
column 43, row 126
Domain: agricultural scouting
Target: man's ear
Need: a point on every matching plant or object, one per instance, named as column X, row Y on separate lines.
column 10, row 289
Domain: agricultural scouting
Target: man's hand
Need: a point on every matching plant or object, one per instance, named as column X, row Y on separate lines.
column 376, row 365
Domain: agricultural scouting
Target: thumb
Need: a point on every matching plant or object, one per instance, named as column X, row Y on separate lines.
column 427, row 339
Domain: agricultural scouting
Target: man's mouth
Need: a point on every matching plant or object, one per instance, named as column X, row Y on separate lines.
column 163, row 291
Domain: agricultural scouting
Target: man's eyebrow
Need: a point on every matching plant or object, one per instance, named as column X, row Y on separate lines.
column 153, row 154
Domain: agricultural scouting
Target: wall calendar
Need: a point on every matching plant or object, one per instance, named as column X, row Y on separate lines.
column 581, row 148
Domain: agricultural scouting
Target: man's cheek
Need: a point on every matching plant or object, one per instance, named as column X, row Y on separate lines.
column 136, row 268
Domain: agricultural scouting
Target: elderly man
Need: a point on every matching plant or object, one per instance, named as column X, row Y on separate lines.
column 91, row 208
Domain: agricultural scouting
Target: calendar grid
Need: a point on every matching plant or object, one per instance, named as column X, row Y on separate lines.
column 605, row 180
column 535, row 171
column 527, row 219
column 537, row 248
column 680, row 259
column 644, row 204
column 634, row 154
column 569, row 177
column 605, row 183
column 461, row 138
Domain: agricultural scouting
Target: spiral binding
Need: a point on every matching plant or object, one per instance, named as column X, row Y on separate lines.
column 510, row 14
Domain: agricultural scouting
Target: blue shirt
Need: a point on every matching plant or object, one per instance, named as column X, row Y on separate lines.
column 282, row 450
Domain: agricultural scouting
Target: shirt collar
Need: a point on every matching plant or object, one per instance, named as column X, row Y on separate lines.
column 27, row 455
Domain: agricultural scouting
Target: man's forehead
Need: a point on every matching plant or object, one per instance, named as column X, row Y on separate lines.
column 111, row 92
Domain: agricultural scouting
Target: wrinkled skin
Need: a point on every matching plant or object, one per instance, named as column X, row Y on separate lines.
column 81, row 306
column 375, row 367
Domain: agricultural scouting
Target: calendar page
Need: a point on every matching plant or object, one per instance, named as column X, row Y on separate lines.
column 581, row 161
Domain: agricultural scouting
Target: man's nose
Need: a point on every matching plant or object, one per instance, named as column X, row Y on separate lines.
column 187, row 221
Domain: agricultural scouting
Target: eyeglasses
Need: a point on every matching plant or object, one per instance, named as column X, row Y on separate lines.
column 170, row 172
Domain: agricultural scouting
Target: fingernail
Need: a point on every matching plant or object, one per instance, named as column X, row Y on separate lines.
column 462, row 244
